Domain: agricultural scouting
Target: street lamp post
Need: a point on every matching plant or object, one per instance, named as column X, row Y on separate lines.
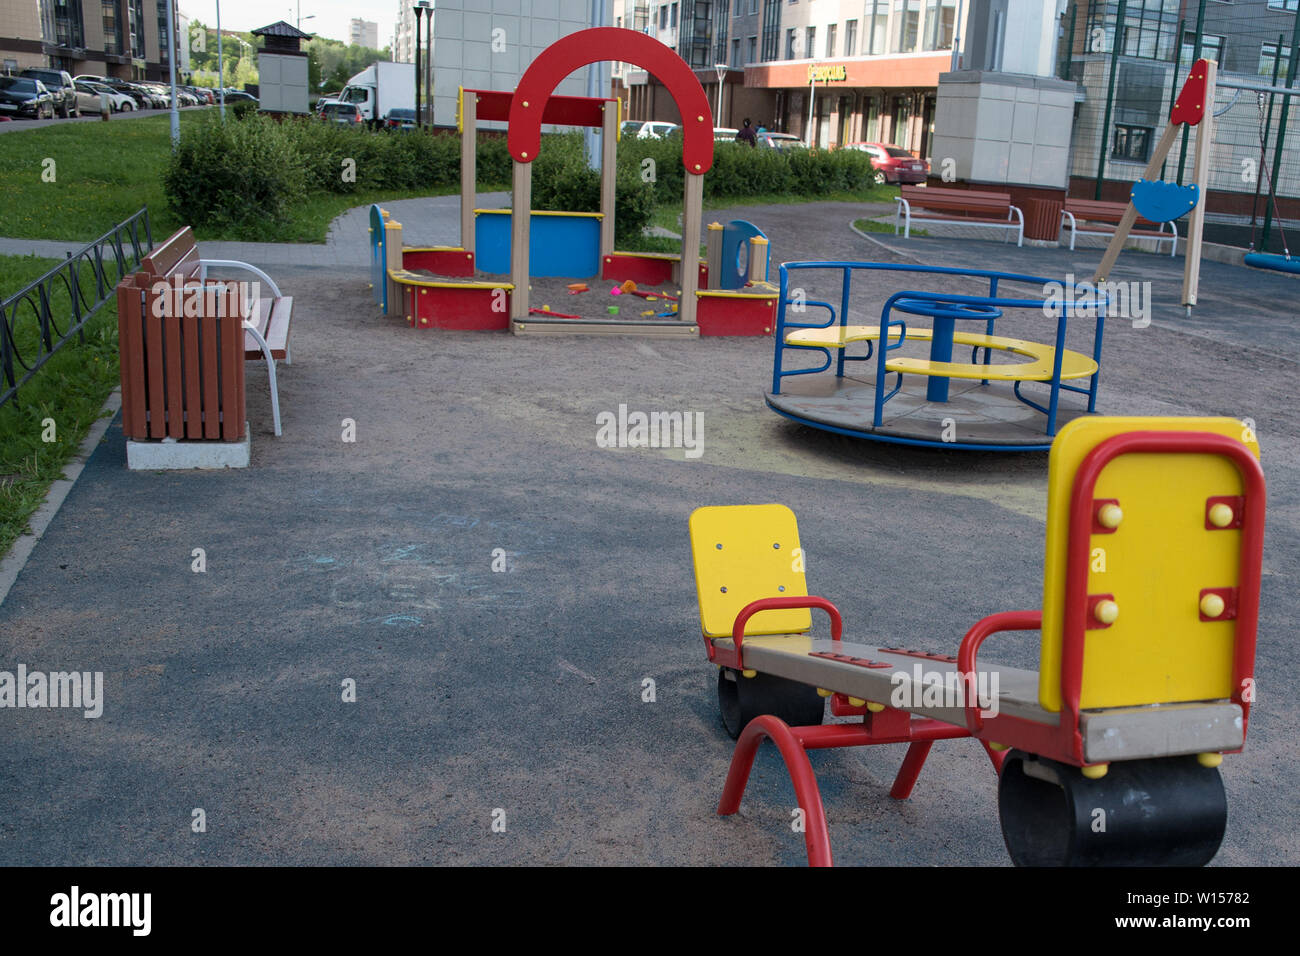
column 419, row 77
column 221, row 75
column 812, row 103
column 721, row 69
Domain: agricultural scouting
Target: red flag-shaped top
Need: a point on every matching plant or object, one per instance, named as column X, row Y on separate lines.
column 1190, row 105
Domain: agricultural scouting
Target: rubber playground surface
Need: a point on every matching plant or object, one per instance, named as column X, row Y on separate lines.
column 522, row 695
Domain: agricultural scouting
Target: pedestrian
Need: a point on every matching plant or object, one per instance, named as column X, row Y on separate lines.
column 746, row 134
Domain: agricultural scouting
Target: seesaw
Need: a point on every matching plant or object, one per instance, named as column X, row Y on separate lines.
column 1150, row 602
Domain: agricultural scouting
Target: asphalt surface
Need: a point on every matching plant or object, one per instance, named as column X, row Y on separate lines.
column 522, row 690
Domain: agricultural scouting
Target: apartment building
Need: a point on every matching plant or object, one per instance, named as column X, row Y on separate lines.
column 123, row 38
column 828, row 71
column 363, row 33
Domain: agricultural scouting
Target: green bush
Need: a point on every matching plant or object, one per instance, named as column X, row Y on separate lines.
column 235, row 173
column 240, row 174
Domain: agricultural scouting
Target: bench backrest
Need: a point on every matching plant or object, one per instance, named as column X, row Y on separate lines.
column 971, row 200
column 182, row 359
column 178, row 255
column 743, row 553
column 1156, row 557
column 1093, row 210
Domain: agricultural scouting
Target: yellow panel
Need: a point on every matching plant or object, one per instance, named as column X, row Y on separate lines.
column 1155, row 564
column 743, row 553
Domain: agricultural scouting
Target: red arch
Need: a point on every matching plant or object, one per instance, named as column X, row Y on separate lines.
column 626, row 46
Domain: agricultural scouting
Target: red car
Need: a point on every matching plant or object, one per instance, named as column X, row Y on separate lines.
column 893, row 164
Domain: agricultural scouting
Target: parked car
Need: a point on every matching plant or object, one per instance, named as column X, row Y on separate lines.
column 723, row 134
column 88, row 99
column 779, row 140
column 117, row 101
column 400, row 118
column 61, row 88
column 657, row 130
column 344, row 114
column 239, row 96
column 323, row 102
column 21, row 96
column 893, row 164
column 630, row 127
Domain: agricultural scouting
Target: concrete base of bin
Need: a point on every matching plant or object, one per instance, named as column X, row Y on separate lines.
column 170, row 454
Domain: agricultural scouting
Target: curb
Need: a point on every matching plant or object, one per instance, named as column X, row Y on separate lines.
column 14, row 562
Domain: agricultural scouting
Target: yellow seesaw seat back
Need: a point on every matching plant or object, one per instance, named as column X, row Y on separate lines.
column 743, row 553
column 1155, row 564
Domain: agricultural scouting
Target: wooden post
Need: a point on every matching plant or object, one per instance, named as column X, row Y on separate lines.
column 393, row 263
column 692, row 216
column 608, row 175
column 520, row 221
column 1130, row 214
column 1201, row 174
column 468, row 169
column 757, row 259
column 713, row 253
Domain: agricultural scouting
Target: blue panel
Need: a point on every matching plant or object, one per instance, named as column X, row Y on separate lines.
column 1160, row 201
column 735, row 253
column 559, row 246
column 378, row 258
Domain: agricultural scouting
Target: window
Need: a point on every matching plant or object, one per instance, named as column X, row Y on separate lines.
column 771, row 30
column 830, row 39
column 877, row 25
column 753, row 6
column 907, row 23
column 672, row 19
column 810, row 46
column 940, row 15
column 1132, row 143
column 112, row 27
column 1211, row 48
column 789, row 44
column 1269, row 60
column 850, row 37
column 1288, row 5
column 753, row 50
column 735, row 52
column 663, row 17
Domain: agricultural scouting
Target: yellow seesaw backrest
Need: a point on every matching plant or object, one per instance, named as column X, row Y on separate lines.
column 1155, row 563
column 743, row 553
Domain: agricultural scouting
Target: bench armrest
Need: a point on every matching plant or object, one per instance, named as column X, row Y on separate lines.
column 1019, row 214
column 970, row 645
column 781, row 604
column 205, row 264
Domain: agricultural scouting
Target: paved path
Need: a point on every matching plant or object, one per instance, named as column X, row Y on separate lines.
column 431, row 221
column 521, row 691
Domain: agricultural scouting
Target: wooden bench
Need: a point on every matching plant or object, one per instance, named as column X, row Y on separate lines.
column 965, row 207
column 1039, row 369
column 1100, row 218
column 265, row 318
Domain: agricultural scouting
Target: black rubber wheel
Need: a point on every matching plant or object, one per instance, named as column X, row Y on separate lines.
column 741, row 699
column 1164, row 812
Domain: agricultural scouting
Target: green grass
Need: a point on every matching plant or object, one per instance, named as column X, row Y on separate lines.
column 870, row 225
column 670, row 216
column 105, row 172
column 70, row 389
